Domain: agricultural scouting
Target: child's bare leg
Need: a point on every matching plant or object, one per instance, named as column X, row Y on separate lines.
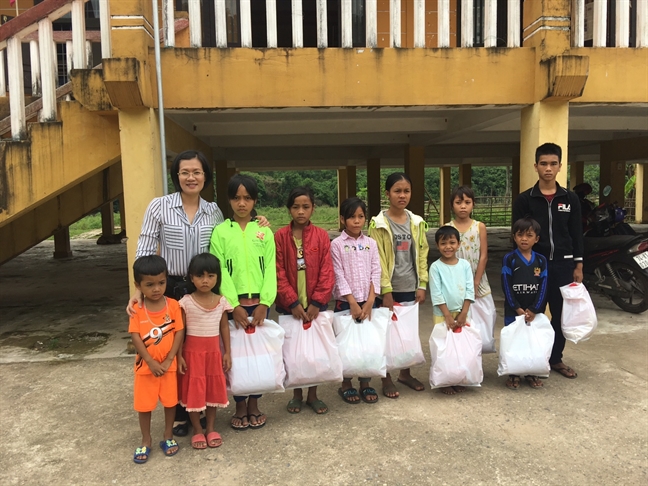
column 169, row 417
column 388, row 387
column 240, row 419
column 316, row 404
column 145, row 427
column 256, row 416
column 194, row 417
column 405, row 377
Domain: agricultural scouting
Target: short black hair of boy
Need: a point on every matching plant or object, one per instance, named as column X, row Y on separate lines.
column 242, row 180
column 460, row 192
column 350, row 206
column 445, row 232
column 190, row 155
column 523, row 225
column 300, row 191
column 201, row 263
column 395, row 177
column 151, row 265
column 548, row 149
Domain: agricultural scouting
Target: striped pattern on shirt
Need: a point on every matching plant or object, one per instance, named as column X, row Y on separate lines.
column 202, row 322
column 356, row 264
column 166, row 226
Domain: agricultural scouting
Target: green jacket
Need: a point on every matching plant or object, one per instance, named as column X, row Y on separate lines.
column 247, row 261
column 380, row 231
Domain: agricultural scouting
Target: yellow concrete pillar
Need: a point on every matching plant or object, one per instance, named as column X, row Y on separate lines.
column 444, row 196
column 465, row 175
column 576, row 173
column 62, row 247
column 132, row 28
column 546, row 26
column 107, row 219
column 351, row 181
column 415, row 168
column 641, row 202
column 542, row 122
column 140, row 147
column 374, row 189
column 222, row 178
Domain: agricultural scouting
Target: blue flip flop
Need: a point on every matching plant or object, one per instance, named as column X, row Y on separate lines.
column 167, row 444
column 139, row 452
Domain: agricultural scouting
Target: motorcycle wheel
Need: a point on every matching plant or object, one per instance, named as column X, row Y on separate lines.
column 636, row 284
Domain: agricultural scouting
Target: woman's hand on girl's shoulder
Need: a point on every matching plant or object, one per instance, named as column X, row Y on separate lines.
column 136, row 299
column 263, row 221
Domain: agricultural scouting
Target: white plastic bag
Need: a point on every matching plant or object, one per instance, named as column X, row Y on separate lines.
column 310, row 355
column 525, row 349
column 456, row 357
column 257, row 360
column 403, row 348
column 578, row 315
column 362, row 345
column 483, row 317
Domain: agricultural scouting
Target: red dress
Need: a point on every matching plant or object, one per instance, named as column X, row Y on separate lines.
column 203, row 384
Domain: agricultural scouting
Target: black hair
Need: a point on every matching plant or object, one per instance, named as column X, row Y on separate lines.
column 190, row 155
column 460, row 192
column 151, row 265
column 445, row 232
column 394, row 178
column 350, row 206
column 300, row 191
column 201, row 263
column 247, row 182
column 523, row 225
column 548, row 149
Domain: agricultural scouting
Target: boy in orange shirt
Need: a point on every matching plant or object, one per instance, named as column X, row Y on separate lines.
column 157, row 331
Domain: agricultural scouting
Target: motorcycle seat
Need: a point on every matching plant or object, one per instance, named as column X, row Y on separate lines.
column 594, row 244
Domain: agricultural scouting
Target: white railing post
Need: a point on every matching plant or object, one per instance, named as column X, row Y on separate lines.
column 347, row 25
column 443, row 19
column 104, row 25
column 195, row 24
column 490, row 23
column 220, row 15
column 419, row 23
column 642, row 24
column 271, row 23
column 622, row 37
column 35, row 68
column 89, row 60
column 78, row 35
column 513, row 23
column 371, row 31
column 297, row 23
column 3, row 82
column 578, row 23
column 322, row 24
column 395, row 23
column 48, row 69
column 467, row 26
column 16, row 88
column 245, row 14
column 168, row 23
column 69, row 60
column 600, row 23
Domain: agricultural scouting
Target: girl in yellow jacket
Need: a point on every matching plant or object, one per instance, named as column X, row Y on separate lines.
column 403, row 249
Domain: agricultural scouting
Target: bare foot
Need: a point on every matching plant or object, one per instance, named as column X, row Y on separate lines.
column 388, row 388
column 448, row 390
column 407, row 379
column 459, row 389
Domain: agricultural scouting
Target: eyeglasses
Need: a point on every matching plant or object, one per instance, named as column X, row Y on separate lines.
column 196, row 173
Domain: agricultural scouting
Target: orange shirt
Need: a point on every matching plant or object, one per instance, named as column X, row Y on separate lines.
column 157, row 330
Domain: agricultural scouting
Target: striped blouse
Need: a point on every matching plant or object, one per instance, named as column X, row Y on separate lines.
column 166, row 226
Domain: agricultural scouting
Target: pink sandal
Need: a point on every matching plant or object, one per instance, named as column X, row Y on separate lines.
column 198, row 438
column 214, row 436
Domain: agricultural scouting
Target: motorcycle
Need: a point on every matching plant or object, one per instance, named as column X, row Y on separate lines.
column 615, row 261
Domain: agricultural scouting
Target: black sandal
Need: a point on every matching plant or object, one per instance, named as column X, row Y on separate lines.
column 365, row 392
column 347, row 394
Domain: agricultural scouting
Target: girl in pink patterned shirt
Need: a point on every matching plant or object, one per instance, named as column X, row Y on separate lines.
column 357, row 280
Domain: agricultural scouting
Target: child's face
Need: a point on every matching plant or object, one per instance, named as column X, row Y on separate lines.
column 204, row 282
column 400, row 194
column 448, row 247
column 462, row 207
column 301, row 210
column 355, row 223
column 525, row 239
column 548, row 167
column 242, row 204
column 152, row 286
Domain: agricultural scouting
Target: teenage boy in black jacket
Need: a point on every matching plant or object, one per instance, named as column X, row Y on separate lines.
column 561, row 237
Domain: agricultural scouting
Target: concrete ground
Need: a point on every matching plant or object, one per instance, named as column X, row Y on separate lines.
column 67, row 418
